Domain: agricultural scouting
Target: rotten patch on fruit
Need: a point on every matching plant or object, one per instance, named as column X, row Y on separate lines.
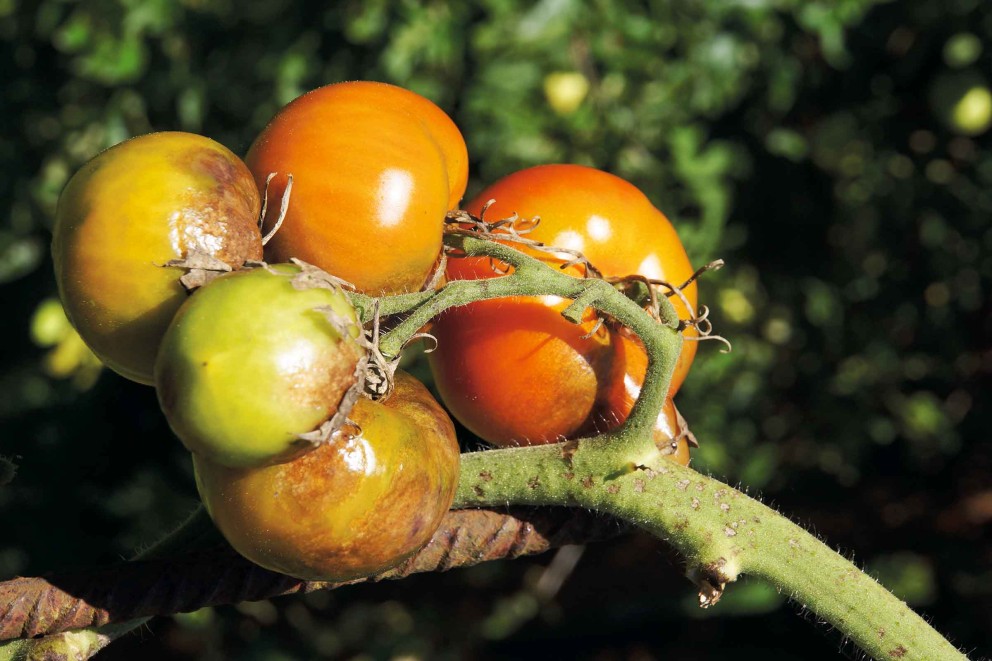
column 338, row 422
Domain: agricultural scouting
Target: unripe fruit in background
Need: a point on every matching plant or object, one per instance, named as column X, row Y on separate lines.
column 354, row 506
column 128, row 211
column 375, row 169
column 962, row 101
column 255, row 359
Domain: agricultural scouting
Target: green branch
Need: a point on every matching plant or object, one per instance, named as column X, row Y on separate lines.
column 720, row 531
column 532, row 277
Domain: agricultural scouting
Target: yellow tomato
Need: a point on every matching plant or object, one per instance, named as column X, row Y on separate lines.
column 130, row 210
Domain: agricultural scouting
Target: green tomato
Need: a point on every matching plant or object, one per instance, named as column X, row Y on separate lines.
column 254, row 360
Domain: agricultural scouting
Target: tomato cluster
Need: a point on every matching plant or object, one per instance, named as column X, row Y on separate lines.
column 260, row 369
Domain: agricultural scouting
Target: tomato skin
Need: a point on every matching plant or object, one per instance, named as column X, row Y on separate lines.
column 248, row 364
column 375, row 168
column 530, row 377
column 131, row 209
column 493, row 382
column 447, row 136
column 352, row 507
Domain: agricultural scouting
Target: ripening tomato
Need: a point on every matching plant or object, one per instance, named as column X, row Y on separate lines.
column 532, row 385
column 251, row 361
column 497, row 362
column 354, row 506
column 375, row 168
column 128, row 211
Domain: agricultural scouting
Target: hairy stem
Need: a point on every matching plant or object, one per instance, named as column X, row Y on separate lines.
column 720, row 531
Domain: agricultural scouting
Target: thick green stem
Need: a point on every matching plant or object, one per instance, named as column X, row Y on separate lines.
column 721, row 532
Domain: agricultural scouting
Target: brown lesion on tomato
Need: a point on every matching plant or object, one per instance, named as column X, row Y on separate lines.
column 333, row 383
column 222, row 219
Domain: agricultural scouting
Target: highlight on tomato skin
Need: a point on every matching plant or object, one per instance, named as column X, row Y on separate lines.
column 129, row 210
column 375, row 169
column 251, row 361
column 511, row 382
column 352, row 507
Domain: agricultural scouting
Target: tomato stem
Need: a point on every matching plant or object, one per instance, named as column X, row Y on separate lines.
column 720, row 531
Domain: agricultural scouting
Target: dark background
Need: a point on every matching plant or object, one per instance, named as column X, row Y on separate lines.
column 835, row 154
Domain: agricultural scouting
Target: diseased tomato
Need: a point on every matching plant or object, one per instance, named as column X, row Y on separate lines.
column 375, row 168
column 252, row 361
column 352, row 507
column 130, row 210
column 513, row 381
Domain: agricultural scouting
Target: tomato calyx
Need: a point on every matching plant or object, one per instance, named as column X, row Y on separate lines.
column 646, row 291
column 513, row 229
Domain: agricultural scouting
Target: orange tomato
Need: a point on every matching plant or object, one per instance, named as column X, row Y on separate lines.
column 498, row 367
column 350, row 508
column 375, row 168
column 538, row 383
column 131, row 209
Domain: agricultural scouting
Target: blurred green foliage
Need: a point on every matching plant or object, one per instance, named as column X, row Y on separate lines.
column 835, row 154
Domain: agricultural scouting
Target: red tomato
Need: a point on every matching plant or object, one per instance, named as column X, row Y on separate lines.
column 514, row 381
column 375, row 168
